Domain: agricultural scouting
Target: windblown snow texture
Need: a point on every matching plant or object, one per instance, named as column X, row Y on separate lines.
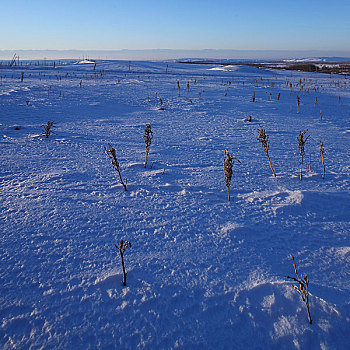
column 202, row 272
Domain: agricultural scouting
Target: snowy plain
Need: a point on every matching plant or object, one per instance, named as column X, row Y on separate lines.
column 203, row 273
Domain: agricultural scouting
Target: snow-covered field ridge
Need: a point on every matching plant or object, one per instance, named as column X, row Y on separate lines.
column 203, row 272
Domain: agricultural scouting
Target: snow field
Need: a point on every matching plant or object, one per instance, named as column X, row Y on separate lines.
column 202, row 272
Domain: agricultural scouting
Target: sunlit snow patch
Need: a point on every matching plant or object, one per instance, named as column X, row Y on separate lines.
column 85, row 61
column 225, row 68
column 229, row 226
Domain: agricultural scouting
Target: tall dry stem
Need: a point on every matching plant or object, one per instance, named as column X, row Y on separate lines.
column 113, row 157
column 298, row 102
column 148, row 136
column 122, row 247
column 301, row 147
column 265, row 143
column 322, row 152
column 47, row 128
column 162, row 108
column 303, row 289
column 228, row 164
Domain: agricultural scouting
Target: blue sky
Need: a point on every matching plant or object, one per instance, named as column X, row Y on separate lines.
column 178, row 24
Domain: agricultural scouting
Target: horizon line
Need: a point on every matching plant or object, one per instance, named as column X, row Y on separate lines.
column 164, row 54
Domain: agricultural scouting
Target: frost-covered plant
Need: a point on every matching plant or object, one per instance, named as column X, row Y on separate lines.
column 122, row 247
column 148, row 136
column 301, row 147
column 110, row 151
column 321, row 152
column 303, row 289
column 263, row 138
column 47, row 128
column 228, row 164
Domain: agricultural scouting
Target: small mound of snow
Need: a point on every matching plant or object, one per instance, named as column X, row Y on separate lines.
column 225, row 68
column 85, row 61
column 229, row 226
column 275, row 200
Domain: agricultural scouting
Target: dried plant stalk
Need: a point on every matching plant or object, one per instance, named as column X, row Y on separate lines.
column 228, row 164
column 113, row 157
column 162, row 108
column 122, row 247
column 321, row 152
column 254, row 96
column 265, row 143
column 148, row 136
column 303, row 289
column 47, row 128
column 301, row 146
column 298, row 102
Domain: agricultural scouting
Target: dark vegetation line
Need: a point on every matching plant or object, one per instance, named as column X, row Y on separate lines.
column 320, row 67
column 329, row 67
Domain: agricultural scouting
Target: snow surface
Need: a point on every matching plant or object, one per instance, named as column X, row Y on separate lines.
column 85, row 62
column 202, row 272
